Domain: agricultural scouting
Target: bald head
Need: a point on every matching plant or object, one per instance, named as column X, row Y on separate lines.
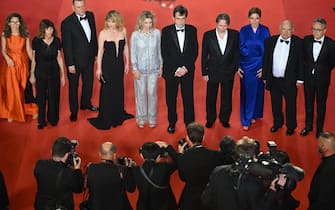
column 246, row 147
column 326, row 144
column 107, row 150
column 286, row 29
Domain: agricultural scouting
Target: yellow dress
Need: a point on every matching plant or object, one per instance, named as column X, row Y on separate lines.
column 13, row 81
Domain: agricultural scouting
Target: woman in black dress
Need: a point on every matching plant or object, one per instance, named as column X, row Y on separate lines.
column 47, row 65
column 112, row 63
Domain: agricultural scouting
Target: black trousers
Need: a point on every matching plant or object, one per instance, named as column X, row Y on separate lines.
column 226, row 88
column 278, row 91
column 87, row 76
column 315, row 91
column 47, row 94
column 171, row 92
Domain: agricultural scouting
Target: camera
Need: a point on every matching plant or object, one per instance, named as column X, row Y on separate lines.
column 73, row 154
column 181, row 142
column 269, row 165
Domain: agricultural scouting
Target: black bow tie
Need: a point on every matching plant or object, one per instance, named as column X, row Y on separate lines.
column 82, row 18
column 318, row 41
column 181, row 30
column 286, row 41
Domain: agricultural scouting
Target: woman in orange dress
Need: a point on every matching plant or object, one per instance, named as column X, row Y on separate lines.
column 14, row 70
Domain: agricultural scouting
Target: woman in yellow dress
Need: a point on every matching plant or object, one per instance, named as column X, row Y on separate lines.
column 14, row 70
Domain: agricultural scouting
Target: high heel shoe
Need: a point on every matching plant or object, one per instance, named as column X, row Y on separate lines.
column 10, row 120
column 253, row 121
column 34, row 116
column 246, row 128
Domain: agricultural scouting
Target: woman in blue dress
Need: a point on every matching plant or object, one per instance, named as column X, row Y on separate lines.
column 252, row 39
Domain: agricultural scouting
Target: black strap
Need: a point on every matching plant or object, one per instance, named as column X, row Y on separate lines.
column 85, row 193
column 151, row 182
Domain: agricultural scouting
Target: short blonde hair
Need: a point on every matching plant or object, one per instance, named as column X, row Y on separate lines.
column 116, row 17
column 144, row 15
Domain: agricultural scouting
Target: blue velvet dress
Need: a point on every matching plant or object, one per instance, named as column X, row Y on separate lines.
column 252, row 87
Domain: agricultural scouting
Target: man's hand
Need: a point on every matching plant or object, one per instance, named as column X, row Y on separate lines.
column 72, row 69
column 260, row 73
column 240, row 72
column 76, row 162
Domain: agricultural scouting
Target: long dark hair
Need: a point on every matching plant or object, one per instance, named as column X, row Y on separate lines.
column 22, row 28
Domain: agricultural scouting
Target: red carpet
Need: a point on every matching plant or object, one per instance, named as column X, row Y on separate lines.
column 21, row 144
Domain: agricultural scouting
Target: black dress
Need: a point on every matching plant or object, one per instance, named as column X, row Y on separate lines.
column 111, row 104
column 47, row 80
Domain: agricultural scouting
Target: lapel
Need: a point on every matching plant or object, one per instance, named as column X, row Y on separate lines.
column 229, row 43
column 174, row 36
column 322, row 50
column 310, row 49
column 79, row 26
column 215, row 43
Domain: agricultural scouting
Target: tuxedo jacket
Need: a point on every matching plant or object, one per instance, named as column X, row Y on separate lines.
column 171, row 53
column 150, row 197
column 78, row 50
column 324, row 63
column 294, row 67
column 216, row 65
column 194, row 168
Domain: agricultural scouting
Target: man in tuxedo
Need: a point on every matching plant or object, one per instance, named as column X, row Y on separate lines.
column 319, row 60
column 80, row 48
column 220, row 61
column 179, row 46
column 282, row 71
column 194, row 166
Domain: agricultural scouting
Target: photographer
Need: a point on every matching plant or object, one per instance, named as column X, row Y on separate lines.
column 108, row 181
column 55, row 180
column 322, row 188
column 153, row 179
column 194, row 164
column 231, row 187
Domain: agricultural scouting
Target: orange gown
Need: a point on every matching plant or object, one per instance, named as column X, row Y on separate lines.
column 13, row 81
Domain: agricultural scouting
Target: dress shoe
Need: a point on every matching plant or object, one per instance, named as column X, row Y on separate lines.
column 289, row 132
column 90, row 107
column 209, row 124
column 274, row 129
column 305, row 131
column 171, row 129
column 225, row 124
column 40, row 126
column 73, row 117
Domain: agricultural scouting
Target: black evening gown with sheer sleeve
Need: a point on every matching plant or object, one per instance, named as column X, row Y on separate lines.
column 111, row 104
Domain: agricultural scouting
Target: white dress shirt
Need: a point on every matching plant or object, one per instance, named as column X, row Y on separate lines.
column 280, row 57
column 317, row 48
column 181, row 38
column 86, row 26
column 222, row 42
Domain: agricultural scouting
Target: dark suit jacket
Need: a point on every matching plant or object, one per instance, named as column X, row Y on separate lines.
column 48, row 173
column 194, row 167
column 150, row 197
column 323, row 65
column 77, row 50
column 172, row 56
column 294, row 67
column 216, row 65
column 106, row 188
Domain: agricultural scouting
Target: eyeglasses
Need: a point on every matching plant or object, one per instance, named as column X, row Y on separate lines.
column 317, row 29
